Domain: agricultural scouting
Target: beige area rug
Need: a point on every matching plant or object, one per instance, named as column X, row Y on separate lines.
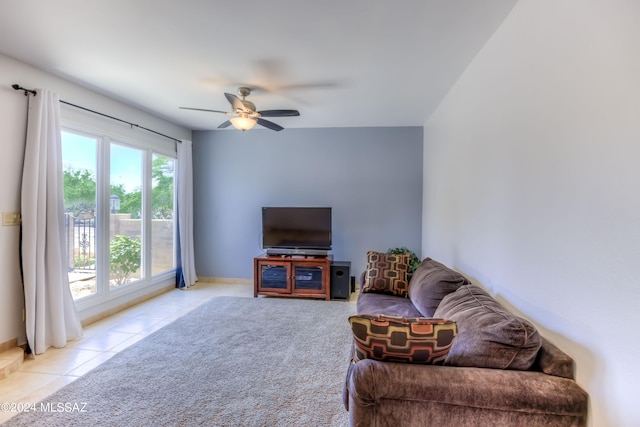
column 230, row 362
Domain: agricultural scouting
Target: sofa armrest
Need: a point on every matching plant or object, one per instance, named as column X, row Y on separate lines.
column 383, row 393
column 553, row 361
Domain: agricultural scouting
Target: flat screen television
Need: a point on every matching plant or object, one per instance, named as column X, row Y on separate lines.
column 296, row 230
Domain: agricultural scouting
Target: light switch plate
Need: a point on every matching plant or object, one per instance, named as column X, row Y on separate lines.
column 11, row 218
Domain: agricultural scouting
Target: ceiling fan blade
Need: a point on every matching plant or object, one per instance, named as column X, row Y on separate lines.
column 279, row 113
column 269, row 125
column 204, row 109
column 235, row 102
column 225, row 124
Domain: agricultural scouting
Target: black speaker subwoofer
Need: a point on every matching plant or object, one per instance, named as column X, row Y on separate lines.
column 340, row 280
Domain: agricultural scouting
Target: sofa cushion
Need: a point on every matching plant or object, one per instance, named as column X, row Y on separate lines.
column 386, row 273
column 401, row 339
column 489, row 336
column 390, row 305
column 431, row 282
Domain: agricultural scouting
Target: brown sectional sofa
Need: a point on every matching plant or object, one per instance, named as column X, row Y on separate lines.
column 499, row 371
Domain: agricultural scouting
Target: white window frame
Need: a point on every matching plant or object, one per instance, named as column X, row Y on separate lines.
column 108, row 131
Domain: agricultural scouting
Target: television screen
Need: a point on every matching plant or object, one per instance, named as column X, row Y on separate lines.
column 296, row 227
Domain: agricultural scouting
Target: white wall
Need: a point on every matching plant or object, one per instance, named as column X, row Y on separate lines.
column 12, row 134
column 531, row 184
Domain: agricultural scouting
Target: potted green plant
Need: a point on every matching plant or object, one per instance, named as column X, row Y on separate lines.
column 414, row 261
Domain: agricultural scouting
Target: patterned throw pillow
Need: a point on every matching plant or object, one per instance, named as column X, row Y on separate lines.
column 402, row 339
column 387, row 274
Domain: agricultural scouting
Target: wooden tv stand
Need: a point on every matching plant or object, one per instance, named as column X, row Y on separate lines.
column 292, row 276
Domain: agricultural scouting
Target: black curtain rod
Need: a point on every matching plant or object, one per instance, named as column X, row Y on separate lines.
column 34, row 93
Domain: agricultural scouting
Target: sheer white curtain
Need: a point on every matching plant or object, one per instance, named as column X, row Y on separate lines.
column 186, row 271
column 51, row 318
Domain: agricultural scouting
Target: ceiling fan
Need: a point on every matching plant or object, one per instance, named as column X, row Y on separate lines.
column 245, row 113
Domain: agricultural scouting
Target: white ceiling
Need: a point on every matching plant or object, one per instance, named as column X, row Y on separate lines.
column 339, row 62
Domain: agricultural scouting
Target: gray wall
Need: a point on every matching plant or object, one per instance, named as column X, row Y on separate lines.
column 370, row 177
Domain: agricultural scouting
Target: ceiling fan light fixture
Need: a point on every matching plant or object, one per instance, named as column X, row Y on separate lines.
column 243, row 122
column 245, row 114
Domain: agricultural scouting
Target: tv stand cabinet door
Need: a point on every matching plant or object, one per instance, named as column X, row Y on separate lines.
column 272, row 277
column 310, row 277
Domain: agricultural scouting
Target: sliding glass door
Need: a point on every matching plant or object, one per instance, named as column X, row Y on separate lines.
column 125, row 215
column 162, row 214
column 119, row 214
column 79, row 153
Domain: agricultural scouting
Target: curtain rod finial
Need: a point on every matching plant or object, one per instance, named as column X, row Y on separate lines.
column 26, row 91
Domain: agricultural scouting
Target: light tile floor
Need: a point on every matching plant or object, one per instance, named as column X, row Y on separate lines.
column 45, row 374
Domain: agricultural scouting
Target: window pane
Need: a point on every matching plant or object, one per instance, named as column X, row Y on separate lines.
column 79, row 170
column 162, row 218
column 125, row 223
